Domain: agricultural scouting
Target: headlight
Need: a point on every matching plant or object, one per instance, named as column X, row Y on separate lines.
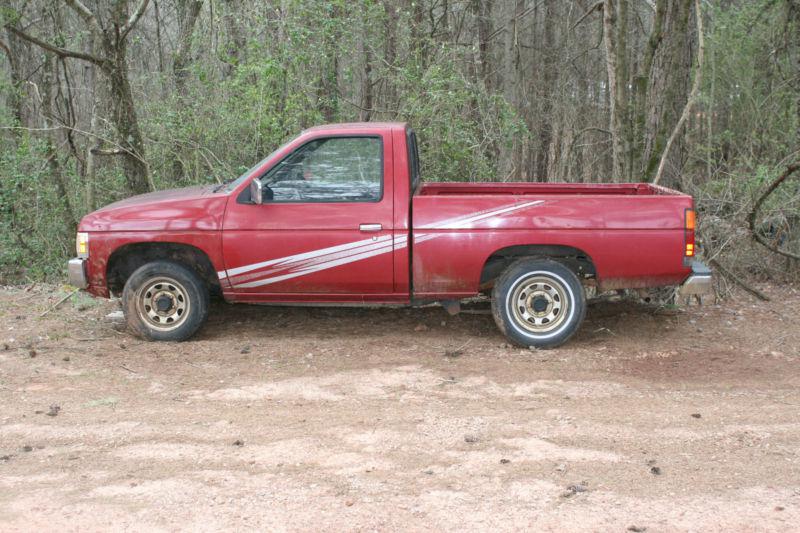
column 82, row 245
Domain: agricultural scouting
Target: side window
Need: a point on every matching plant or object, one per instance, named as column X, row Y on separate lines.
column 334, row 169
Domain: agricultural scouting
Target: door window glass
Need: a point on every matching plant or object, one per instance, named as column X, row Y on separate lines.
column 333, row 169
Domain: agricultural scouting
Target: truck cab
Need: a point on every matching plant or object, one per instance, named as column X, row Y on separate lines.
column 330, row 222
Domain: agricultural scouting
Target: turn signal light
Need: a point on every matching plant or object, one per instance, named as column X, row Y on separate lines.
column 82, row 245
column 690, row 219
column 689, row 250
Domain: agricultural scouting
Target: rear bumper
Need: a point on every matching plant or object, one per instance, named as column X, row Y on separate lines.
column 76, row 269
column 699, row 281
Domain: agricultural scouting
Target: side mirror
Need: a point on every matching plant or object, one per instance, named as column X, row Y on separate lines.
column 256, row 189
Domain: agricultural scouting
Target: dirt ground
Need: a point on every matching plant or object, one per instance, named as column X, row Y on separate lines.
column 393, row 419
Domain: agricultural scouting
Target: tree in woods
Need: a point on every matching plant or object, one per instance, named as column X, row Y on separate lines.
column 615, row 29
column 792, row 46
column 187, row 13
column 113, row 62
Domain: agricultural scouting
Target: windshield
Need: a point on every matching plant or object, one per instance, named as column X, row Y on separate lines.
column 230, row 186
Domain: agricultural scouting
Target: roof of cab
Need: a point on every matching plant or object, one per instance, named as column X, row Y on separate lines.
column 358, row 126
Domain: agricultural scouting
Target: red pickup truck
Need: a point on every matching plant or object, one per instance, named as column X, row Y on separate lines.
column 339, row 215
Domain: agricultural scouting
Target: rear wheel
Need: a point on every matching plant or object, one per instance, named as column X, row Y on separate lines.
column 538, row 302
column 165, row 301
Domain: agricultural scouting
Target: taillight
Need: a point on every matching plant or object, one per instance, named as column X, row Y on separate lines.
column 689, row 225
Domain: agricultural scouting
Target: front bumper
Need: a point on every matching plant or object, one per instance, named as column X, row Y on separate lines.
column 77, row 273
column 699, row 281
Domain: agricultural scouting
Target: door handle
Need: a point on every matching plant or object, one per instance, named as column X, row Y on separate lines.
column 370, row 227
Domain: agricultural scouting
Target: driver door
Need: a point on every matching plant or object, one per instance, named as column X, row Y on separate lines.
column 324, row 229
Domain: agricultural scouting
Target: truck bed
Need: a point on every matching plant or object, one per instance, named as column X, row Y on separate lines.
column 633, row 233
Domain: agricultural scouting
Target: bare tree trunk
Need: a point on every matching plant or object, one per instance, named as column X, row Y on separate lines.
column 53, row 162
column 366, row 84
column 510, row 163
column 328, row 84
column 480, row 66
column 94, row 142
column 445, row 20
column 615, row 15
column 793, row 30
column 483, row 15
column 548, row 89
column 698, row 77
column 668, row 62
column 15, row 50
column 328, row 90
column 235, row 46
column 158, row 37
column 644, row 84
column 710, row 103
column 188, row 11
column 126, row 121
column 392, row 12
column 90, row 170
column 419, row 46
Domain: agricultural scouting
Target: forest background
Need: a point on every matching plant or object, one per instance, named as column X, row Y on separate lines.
column 103, row 99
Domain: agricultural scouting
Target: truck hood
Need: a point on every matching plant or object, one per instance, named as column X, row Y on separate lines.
column 190, row 208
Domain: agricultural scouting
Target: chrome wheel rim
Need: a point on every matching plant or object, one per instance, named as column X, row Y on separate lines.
column 163, row 304
column 540, row 304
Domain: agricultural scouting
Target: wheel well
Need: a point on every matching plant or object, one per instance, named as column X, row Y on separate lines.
column 126, row 259
column 576, row 260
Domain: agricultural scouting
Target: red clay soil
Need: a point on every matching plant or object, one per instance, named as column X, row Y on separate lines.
column 410, row 420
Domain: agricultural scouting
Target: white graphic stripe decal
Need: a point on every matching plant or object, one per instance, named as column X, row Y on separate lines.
column 325, row 258
column 316, row 268
column 465, row 220
column 306, row 255
column 315, row 261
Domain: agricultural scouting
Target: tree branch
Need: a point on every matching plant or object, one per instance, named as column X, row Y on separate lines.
column 751, row 219
column 114, row 151
column 584, row 130
column 61, row 52
column 86, row 14
column 734, row 278
column 134, row 18
column 513, row 19
column 698, row 78
column 595, row 7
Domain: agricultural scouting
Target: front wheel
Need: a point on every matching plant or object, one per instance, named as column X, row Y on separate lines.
column 538, row 302
column 165, row 301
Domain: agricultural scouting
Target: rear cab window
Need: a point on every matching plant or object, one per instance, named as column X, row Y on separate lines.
column 413, row 159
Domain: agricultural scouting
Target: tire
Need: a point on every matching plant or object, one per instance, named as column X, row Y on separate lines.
column 165, row 301
column 550, row 303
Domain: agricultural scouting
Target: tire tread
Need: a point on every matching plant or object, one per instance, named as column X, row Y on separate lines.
column 198, row 293
column 503, row 285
